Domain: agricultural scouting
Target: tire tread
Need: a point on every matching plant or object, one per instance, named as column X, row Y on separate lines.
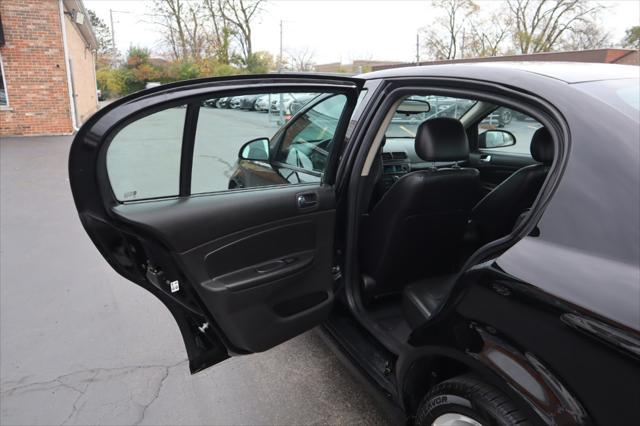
column 485, row 396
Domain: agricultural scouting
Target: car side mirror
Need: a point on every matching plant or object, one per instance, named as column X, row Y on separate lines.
column 255, row 150
column 496, row 138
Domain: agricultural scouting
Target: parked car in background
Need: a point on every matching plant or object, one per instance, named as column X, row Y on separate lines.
column 500, row 117
column 223, row 102
column 262, row 103
column 470, row 282
column 235, row 102
column 300, row 100
column 249, row 102
column 211, row 103
column 281, row 102
column 98, row 94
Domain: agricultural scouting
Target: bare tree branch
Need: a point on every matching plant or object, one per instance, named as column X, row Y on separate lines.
column 545, row 25
column 441, row 38
column 301, row 59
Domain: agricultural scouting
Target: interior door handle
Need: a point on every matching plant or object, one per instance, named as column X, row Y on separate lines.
column 485, row 158
column 307, row 200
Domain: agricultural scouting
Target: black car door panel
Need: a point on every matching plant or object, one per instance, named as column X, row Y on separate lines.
column 495, row 167
column 240, row 270
column 257, row 258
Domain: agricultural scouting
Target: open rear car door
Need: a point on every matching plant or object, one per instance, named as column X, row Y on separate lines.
column 241, row 270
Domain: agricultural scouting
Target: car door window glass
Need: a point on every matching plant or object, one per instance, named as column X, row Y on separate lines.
column 143, row 159
column 518, row 124
column 307, row 142
column 404, row 125
column 237, row 140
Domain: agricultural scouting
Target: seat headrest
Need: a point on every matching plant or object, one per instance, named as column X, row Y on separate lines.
column 542, row 146
column 442, row 139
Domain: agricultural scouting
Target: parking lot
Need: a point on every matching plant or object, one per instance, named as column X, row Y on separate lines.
column 81, row 345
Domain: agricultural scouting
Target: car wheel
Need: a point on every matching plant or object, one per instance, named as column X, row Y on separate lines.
column 505, row 117
column 467, row 401
column 235, row 184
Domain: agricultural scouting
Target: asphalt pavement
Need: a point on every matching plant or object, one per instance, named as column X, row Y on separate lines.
column 81, row 345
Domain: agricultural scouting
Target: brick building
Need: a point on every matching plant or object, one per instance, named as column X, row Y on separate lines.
column 47, row 60
column 601, row 56
column 356, row 67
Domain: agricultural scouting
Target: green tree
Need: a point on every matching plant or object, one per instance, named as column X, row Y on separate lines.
column 259, row 63
column 632, row 38
column 137, row 56
column 107, row 54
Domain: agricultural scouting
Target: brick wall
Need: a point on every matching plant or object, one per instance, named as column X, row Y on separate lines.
column 632, row 58
column 34, row 68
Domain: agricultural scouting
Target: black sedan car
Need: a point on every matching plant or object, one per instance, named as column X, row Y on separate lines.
column 472, row 273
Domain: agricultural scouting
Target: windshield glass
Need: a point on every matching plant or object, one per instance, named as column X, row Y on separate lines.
column 624, row 95
column 406, row 125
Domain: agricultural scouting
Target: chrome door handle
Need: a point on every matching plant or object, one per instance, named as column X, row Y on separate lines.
column 304, row 201
column 485, row 158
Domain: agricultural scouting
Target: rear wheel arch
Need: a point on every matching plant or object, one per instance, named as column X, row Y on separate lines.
column 520, row 375
column 428, row 370
column 425, row 373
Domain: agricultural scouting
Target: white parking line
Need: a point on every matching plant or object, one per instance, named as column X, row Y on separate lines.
column 409, row 132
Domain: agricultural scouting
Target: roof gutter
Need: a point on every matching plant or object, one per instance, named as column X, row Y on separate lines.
column 67, row 66
column 74, row 7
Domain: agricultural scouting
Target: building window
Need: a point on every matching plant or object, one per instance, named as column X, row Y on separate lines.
column 4, row 99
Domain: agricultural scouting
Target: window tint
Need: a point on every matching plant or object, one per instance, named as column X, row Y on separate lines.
column 520, row 125
column 263, row 139
column 405, row 125
column 307, row 142
column 243, row 141
column 143, row 159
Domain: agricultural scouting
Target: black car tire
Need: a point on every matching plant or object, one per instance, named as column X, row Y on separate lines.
column 505, row 117
column 472, row 398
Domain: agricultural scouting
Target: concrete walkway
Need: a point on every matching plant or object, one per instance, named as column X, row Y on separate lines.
column 81, row 345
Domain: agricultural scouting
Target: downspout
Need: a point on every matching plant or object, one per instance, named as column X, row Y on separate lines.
column 94, row 55
column 74, row 122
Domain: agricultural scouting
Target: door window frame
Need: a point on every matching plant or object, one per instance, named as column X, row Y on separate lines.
column 364, row 138
column 473, row 147
column 147, row 105
column 282, row 132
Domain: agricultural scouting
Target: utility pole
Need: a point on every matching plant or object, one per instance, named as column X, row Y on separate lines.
column 280, row 62
column 280, row 69
column 418, row 48
column 113, row 36
column 462, row 47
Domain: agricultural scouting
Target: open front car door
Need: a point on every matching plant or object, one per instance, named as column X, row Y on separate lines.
column 222, row 210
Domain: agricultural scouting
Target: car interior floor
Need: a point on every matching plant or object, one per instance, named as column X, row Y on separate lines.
column 388, row 313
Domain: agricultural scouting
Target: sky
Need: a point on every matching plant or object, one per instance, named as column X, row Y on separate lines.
column 335, row 31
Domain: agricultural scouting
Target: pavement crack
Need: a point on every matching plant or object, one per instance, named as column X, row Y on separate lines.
column 229, row 165
column 80, row 382
column 74, row 408
column 156, row 394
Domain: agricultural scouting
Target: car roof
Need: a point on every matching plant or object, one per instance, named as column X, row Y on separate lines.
column 569, row 72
